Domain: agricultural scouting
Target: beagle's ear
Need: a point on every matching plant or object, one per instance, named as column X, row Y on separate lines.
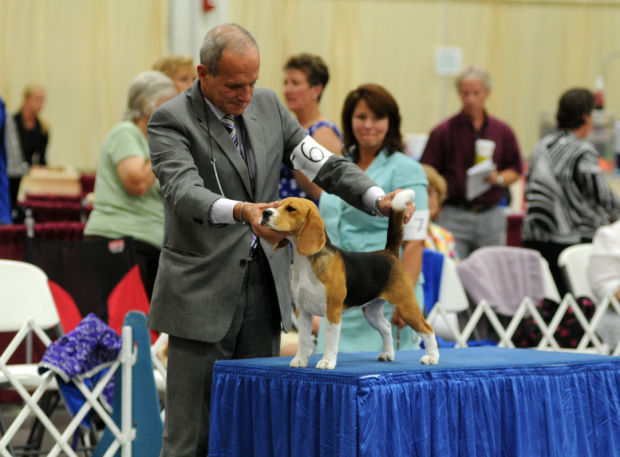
column 311, row 237
column 280, row 244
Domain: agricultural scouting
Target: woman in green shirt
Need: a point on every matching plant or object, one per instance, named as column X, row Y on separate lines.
column 127, row 196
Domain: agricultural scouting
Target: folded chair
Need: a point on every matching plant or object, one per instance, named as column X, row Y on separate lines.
column 504, row 284
column 28, row 305
column 444, row 295
column 574, row 262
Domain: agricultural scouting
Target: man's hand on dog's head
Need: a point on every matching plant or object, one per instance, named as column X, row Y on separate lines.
column 385, row 204
column 252, row 214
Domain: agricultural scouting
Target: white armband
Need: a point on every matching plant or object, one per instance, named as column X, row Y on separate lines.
column 309, row 156
column 417, row 227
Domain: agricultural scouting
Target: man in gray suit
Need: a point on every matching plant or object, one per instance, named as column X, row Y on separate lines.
column 221, row 291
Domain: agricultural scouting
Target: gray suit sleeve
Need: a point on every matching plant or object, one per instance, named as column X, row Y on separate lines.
column 337, row 175
column 345, row 179
column 175, row 167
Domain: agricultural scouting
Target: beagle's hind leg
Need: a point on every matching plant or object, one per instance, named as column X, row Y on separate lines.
column 431, row 357
column 410, row 311
column 373, row 312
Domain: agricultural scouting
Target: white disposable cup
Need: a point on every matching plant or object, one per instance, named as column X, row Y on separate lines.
column 484, row 149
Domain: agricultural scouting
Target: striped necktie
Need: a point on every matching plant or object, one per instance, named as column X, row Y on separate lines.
column 228, row 121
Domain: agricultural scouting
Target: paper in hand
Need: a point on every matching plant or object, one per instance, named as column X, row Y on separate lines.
column 476, row 185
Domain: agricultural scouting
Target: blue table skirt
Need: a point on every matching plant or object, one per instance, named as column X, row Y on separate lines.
column 484, row 402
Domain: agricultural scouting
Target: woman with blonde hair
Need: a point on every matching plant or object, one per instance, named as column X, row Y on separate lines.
column 33, row 132
column 179, row 68
column 31, row 145
column 438, row 238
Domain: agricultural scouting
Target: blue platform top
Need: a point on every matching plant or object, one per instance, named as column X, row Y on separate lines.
column 365, row 364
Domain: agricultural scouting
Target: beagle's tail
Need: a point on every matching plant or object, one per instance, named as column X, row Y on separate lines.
column 395, row 224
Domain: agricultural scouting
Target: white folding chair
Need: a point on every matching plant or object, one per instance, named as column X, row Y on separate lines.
column 414, row 144
column 514, row 298
column 574, row 262
column 159, row 369
column 27, row 307
column 452, row 300
column 25, row 295
column 549, row 286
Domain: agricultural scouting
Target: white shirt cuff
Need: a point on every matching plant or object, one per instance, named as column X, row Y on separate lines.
column 369, row 199
column 221, row 211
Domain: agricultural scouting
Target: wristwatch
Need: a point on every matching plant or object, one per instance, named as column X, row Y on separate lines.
column 500, row 180
column 377, row 201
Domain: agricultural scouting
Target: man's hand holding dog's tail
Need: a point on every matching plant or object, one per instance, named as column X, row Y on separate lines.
column 384, row 205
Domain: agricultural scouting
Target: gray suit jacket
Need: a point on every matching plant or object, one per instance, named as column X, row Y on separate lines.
column 202, row 266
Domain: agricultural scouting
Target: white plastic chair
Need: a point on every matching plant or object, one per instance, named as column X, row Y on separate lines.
column 496, row 292
column 574, row 262
column 25, row 295
column 549, row 286
column 414, row 144
column 27, row 306
column 159, row 370
column 452, row 300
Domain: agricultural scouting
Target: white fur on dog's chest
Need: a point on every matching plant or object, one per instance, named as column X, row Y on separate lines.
column 308, row 291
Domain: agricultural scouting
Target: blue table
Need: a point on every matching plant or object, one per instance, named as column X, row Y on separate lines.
column 485, row 401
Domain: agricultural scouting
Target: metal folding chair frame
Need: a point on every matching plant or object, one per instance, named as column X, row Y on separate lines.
column 527, row 308
column 123, row 435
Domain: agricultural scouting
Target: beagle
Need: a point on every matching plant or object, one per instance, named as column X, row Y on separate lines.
column 326, row 280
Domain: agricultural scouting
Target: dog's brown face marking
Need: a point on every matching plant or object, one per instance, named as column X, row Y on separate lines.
column 300, row 216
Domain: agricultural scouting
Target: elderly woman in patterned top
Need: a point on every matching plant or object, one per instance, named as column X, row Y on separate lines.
column 566, row 194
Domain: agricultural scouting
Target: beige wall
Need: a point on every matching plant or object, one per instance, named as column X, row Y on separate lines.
column 533, row 49
column 86, row 52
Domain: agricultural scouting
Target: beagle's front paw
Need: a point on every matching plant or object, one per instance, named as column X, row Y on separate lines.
column 326, row 364
column 298, row 362
column 430, row 359
column 386, row 357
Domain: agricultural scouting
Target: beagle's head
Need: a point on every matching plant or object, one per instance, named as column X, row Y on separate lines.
column 300, row 216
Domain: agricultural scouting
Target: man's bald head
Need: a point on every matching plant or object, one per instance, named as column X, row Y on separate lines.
column 226, row 37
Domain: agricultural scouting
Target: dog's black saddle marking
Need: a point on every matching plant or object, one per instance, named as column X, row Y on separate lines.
column 367, row 275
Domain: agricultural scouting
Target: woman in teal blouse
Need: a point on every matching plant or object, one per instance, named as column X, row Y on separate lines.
column 371, row 127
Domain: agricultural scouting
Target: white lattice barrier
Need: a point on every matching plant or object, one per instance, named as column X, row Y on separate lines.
column 123, row 436
column 589, row 342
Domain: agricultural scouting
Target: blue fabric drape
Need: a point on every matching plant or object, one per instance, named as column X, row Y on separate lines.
column 477, row 402
column 432, row 266
column 5, row 202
